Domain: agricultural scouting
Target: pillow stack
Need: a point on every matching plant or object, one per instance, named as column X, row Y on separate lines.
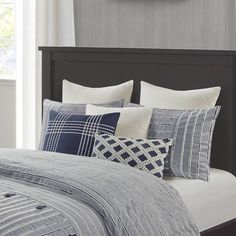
column 170, row 132
column 130, row 146
column 192, row 132
column 187, row 117
column 67, row 129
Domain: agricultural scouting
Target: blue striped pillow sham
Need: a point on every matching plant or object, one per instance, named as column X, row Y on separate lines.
column 192, row 133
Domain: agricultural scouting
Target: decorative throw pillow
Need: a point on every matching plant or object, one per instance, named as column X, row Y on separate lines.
column 133, row 122
column 75, row 93
column 74, row 134
column 66, row 108
column 192, row 133
column 146, row 155
column 159, row 97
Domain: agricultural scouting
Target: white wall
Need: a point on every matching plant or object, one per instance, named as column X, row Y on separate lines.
column 205, row 24
column 7, row 114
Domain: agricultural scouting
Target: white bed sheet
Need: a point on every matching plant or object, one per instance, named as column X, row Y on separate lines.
column 210, row 203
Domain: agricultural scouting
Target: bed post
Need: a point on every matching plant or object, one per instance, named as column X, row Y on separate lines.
column 46, row 74
column 234, row 117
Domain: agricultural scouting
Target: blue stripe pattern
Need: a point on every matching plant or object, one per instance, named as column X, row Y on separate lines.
column 192, row 134
column 92, row 197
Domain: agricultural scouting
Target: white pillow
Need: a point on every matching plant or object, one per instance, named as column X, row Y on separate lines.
column 133, row 121
column 75, row 93
column 159, row 97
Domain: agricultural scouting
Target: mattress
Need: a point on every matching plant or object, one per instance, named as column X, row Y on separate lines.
column 210, row 203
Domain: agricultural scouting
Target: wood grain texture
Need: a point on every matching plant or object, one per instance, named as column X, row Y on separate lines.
column 196, row 24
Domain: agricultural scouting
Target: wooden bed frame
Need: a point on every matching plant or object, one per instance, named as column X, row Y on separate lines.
column 176, row 69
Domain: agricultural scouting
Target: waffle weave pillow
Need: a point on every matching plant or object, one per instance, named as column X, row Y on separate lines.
column 155, row 96
column 75, row 93
column 133, row 122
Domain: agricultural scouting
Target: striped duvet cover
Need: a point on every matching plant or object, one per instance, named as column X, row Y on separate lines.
column 45, row 193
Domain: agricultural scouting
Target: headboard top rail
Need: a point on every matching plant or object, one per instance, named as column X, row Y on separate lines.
column 141, row 50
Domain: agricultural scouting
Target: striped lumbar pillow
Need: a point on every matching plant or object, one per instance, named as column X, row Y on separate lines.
column 192, row 132
column 74, row 134
column 143, row 154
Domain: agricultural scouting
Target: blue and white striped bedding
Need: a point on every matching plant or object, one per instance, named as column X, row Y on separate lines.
column 192, row 133
column 44, row 193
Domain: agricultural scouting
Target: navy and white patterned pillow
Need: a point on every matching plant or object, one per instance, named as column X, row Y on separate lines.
column 74, row 134
column 66, row 108
column 146, row 155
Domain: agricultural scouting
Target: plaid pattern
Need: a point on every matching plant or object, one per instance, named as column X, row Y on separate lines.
column 74, row 134
column 66, row 108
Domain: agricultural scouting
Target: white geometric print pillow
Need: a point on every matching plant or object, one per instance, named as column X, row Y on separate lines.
column 146, row 155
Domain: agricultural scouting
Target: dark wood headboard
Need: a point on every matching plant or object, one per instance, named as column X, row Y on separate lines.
column 176, row 69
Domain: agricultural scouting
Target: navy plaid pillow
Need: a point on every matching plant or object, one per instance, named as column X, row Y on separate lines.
column 67, row 108
column 74, row 134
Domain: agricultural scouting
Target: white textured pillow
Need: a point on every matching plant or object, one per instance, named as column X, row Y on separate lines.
column 159, row 97
column 133, row 122
column 75, row 93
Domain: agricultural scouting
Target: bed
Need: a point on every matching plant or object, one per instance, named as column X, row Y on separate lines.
column 176, row 69
column 50, row 195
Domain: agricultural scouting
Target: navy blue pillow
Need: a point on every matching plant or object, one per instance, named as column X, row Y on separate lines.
column 74, row 134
